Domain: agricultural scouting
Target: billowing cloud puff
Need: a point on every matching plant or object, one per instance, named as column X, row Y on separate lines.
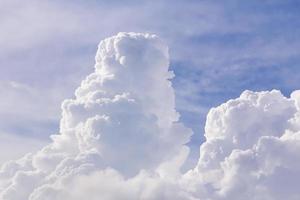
column 121, row 138
column 251, row 149
column 121, row 124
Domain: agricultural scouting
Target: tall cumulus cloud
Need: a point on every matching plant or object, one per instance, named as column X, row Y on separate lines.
column 121, row 138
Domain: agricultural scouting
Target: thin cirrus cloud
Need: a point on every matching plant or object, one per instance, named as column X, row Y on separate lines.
column 119, row 140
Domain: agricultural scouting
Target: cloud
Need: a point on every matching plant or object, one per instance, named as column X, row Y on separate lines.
column 121, row 138
column 117, row 120
column 250, row 148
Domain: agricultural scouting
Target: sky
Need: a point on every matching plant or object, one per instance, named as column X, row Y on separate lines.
column 216, row 49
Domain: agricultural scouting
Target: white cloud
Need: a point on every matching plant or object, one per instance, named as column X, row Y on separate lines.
column 120, row 138
column 117, row 120
column 251, row 146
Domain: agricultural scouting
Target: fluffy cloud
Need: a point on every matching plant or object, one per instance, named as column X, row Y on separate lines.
column 250, row 148
column 122, row 119
column 121, row 138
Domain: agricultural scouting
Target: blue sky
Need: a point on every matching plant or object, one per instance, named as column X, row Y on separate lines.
column 218, row 49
